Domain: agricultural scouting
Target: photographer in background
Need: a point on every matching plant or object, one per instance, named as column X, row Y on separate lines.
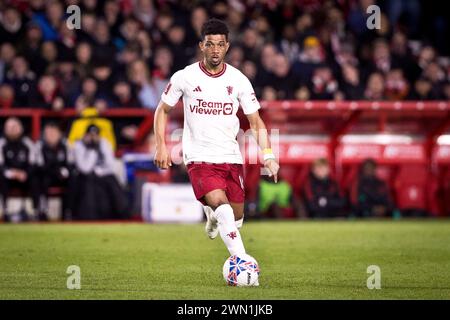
column 99, row 195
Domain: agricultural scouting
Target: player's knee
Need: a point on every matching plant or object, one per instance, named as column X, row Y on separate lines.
column 214, row 203
column 238, row 215
column 215, row 199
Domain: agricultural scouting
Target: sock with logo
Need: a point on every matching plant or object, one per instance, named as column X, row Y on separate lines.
column 228, row 230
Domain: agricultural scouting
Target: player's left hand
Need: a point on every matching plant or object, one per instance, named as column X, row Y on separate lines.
column 273, row 168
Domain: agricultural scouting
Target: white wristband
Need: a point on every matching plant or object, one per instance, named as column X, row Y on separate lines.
column 269, row 156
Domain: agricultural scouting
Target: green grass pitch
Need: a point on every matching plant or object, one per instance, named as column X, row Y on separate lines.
column 298, row 260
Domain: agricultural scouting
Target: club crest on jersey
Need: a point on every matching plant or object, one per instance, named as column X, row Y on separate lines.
column 212, row 108
column 230, row 90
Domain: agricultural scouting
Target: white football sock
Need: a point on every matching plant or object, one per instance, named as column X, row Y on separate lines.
column 227, row 229
column 239, row 223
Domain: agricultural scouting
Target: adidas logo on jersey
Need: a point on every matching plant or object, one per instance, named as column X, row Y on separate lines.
column 198, row 89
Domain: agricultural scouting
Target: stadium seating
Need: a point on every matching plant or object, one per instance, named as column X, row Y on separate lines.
column 416, row 168
column 441, row 167
column 410, row 187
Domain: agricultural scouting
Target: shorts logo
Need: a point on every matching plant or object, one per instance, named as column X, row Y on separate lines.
column 241, row 182
column 230, row 90
column 232, row 235
column 212, row 108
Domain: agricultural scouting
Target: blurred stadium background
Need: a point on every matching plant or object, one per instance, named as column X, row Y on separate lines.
column 360, row 121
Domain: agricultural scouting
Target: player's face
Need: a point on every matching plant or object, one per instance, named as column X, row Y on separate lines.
column 214, row 48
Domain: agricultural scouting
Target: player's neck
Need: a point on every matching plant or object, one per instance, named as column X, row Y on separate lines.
column 213, row 69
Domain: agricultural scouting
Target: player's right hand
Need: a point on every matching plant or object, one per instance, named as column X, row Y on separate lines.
column 162, row 158
column 272, row 166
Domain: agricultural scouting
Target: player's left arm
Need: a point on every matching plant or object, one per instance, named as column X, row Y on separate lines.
column 259, row 131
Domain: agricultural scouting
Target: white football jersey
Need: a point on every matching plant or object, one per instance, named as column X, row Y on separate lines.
column 211, row 102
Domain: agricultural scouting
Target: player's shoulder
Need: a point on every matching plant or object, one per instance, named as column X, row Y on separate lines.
column 186, row 71
column 236, row 73
column 193, row 67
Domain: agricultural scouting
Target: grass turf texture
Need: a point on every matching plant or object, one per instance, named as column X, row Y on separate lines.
column 298, row 260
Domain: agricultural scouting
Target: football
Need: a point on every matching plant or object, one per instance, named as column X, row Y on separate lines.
column 241, row 271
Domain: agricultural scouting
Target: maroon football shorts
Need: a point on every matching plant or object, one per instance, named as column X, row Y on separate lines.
column 206, row 177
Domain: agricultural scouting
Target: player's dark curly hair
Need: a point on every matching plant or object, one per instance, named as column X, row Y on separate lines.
column 214, row 26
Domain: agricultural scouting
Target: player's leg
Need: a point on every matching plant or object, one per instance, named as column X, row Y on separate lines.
column 223, row 213
column 235, row 190
column 238, row 210
column 236, row 193
column 205, row 178
column 211, row 223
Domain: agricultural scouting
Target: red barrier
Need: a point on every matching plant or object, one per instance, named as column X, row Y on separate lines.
column 359, row 105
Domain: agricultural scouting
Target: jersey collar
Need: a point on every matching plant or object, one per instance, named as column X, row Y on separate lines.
column 209, row 74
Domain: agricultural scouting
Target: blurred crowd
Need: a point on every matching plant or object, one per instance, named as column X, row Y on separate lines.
column 126, row 50
column 82, row 173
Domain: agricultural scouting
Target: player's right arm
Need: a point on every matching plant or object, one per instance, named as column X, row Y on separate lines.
column 169, row 98
column 162, row 156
